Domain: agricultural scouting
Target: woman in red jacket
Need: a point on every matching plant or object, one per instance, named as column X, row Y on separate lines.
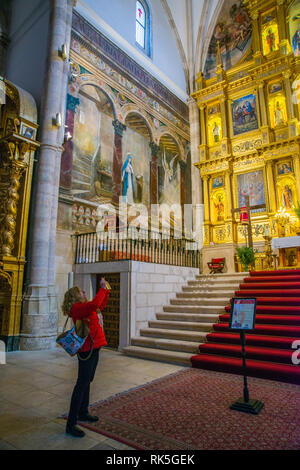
column 76, row 306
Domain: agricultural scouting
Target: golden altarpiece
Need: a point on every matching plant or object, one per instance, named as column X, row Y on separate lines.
column 18, row 127
column 250, row 132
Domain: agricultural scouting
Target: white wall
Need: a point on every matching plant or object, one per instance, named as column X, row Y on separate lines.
column 116, row 20
column 27, row 53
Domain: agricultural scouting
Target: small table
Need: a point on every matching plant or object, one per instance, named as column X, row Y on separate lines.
column 289, row 251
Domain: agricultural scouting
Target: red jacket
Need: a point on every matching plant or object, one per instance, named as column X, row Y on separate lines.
column 87, row 310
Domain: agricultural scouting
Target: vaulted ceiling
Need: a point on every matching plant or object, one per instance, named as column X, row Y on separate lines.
column 193, row 23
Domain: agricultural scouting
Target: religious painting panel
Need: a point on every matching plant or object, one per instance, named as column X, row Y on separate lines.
column 251, row 184
column 218, row 200
column 286, row 191
column 294, row 26
column 233, row 33
column 277, row 110
column 269, row 34
column 244, row 114
column 214, row 125
column 218, row 182
column 284, row 167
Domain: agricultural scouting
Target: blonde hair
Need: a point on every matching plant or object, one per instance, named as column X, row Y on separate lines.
column 72, row 296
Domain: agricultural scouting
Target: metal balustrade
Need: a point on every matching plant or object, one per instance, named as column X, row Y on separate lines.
column 136, row 245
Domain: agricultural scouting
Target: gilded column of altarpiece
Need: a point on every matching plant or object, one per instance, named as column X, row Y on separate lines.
column 17, row 145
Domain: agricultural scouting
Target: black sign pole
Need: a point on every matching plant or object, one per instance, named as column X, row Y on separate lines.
column 245, row 404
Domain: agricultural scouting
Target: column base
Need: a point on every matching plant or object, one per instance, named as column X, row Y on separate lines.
column 39, row 321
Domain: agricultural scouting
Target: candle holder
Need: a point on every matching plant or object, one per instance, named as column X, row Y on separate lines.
column 282, row 218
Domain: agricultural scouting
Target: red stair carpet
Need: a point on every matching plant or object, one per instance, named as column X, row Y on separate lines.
column 269, row 347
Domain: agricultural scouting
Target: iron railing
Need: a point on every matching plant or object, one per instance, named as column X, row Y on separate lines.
column 142, row 245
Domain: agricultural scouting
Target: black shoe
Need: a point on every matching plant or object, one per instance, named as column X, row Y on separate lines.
column 74, row 431
column 89, row 418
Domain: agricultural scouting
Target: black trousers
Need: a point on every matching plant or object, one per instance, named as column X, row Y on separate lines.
column 81, row 393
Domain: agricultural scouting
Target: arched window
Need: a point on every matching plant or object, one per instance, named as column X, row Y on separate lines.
column 142, row 25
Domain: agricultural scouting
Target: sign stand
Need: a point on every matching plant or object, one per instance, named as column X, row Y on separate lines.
column 242, row 319
column 245, row 404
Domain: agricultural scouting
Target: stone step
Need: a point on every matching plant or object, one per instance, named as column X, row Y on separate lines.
column 181, row 325
column 193, row 309
column 210, row 288
column 200, row 294
column 224, row 275
column 180, row 335
column 223, row 301
column 174, row 357
column 193, row 317
column 168, row 344
column 198, row 282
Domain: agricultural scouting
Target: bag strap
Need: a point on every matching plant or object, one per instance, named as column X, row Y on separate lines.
column 66, row 323
column 90, row 353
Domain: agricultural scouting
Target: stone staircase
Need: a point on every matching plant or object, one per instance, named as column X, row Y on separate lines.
column 178, row 330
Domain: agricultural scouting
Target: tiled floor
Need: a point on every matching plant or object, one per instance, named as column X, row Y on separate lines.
column 36, row 387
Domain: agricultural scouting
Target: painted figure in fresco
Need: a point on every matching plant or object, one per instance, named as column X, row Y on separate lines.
column 271, row 40
column 128, row 181
column 296, row 43
column 216, row 132
column 168, row 169
column 287, row 197
column 278, row 115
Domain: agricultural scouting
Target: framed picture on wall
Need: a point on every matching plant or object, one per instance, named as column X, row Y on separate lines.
column 244, row 114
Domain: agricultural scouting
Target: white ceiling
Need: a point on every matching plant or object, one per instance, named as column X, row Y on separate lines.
column 193, row 22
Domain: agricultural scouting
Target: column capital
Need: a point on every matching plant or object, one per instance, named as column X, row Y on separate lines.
column 154, row 148
column 119, row 127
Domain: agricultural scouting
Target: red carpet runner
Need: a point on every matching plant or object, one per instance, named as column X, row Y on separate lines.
column 269, row 347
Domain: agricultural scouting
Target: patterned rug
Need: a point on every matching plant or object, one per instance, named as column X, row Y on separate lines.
column 189, row 410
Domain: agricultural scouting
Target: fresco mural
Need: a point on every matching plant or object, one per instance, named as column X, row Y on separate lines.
column 252, row 185
column 244, row 114
column 233, row 32
column 169, row 178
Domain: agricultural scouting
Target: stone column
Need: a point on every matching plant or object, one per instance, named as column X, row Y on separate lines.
column 154, row 173
column 39, row 328
column 271, row 187
column 55, row 193
column 117, row 162
column 196, row 190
